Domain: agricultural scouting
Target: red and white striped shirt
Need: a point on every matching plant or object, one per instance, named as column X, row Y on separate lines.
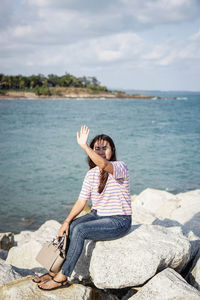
column 115, row 198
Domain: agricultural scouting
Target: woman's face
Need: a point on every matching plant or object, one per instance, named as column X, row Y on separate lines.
column 103, row 148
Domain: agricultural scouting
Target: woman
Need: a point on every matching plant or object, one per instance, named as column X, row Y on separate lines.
column 107, row 183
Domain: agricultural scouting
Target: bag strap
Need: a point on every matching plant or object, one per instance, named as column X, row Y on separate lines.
column 64, row 243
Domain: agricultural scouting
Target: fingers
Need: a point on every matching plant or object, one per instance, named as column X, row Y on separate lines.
column 84, row 130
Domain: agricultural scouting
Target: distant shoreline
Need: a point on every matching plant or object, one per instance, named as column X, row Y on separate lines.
column 75, row 93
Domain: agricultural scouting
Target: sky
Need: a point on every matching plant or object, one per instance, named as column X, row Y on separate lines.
column 125, row 44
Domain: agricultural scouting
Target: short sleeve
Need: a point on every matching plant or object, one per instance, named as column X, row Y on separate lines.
column 120, row 170
column 86, row 189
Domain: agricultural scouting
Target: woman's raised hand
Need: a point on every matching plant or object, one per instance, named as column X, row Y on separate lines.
column 82, row 138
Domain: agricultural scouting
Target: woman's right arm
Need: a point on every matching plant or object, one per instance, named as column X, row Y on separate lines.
column 76, row 209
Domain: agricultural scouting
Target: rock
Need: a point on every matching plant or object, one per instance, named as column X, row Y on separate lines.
column 23, row 237
column 194, row 240
column 46, row 232
column 6, row 240
column 7, row 273
column 140, row 215
column 188, row 212
column 29, row 244
column 167, row 285
column 183, row 209
column 152, row 199
column 135, row 258
column 194, row 274
column 24, row 256
column 26, row 289
column 189, row 206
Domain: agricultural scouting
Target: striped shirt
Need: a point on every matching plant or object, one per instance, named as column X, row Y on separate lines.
column 115, row 198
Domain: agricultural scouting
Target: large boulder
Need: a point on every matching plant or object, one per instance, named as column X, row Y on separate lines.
column 28, row 244
column 26, row 289
column 167, row 285
column 152, row 200
column 170, row 210
column 24, row 256
column 188, row 212
column 46, row 232
column 140, row 215
column 135, row 258
column 189, row 206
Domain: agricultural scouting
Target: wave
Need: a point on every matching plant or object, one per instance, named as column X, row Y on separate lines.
column 181, row 98
column 169, row 98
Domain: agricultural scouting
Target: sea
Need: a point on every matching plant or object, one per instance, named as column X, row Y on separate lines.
column 42, row 167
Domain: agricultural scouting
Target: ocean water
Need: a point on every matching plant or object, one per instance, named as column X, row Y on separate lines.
column 42, row 167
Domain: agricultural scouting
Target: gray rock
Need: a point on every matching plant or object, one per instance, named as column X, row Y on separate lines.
column 6, row 240
column 26, row 289
column 7, row 273
column 135, row 258
column 167, row 285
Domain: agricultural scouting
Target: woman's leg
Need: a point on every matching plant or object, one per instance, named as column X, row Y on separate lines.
column 88, row 217
column 99, row 228
column 103, row 228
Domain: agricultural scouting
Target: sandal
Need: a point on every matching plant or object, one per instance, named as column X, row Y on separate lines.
column 40, row 277
column 57, row 287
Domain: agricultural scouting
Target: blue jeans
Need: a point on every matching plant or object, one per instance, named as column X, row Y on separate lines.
column 92, row 227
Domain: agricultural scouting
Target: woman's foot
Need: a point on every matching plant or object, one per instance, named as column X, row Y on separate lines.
column 44, row 277
column 58, row 281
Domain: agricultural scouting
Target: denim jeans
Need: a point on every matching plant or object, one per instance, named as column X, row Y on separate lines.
column 92, row 227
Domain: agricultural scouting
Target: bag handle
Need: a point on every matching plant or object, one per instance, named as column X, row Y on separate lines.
column 63, row 247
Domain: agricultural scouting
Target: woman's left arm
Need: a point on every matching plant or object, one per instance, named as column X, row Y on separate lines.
column 99, row 161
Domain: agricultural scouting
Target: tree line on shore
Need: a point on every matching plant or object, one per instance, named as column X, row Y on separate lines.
column 43, row 85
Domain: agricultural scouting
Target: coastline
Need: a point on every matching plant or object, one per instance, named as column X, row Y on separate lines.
column 74, row 93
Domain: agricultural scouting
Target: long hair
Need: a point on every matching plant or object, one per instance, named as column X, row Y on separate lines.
column 103, row 174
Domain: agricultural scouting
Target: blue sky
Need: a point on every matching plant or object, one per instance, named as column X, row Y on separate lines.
column 130, row 44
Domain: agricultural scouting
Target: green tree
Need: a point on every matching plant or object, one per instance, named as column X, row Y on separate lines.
column 53, row 80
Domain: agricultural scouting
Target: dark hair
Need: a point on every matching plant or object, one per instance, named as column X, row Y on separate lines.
column 103, row 174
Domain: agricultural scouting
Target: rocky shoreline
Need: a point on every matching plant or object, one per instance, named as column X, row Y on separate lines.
column 76, row 93
column 159, row 259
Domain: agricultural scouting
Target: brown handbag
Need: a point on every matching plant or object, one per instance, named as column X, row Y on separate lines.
column 52, row 255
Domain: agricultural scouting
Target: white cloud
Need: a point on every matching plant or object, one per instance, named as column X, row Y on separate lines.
column 196, row 36
column 50, row 36
column 118, row 46
column 22, row 31
column 162, row 11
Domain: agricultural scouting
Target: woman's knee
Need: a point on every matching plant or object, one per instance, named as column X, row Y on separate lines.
column 76, row 231
column 72, row 225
